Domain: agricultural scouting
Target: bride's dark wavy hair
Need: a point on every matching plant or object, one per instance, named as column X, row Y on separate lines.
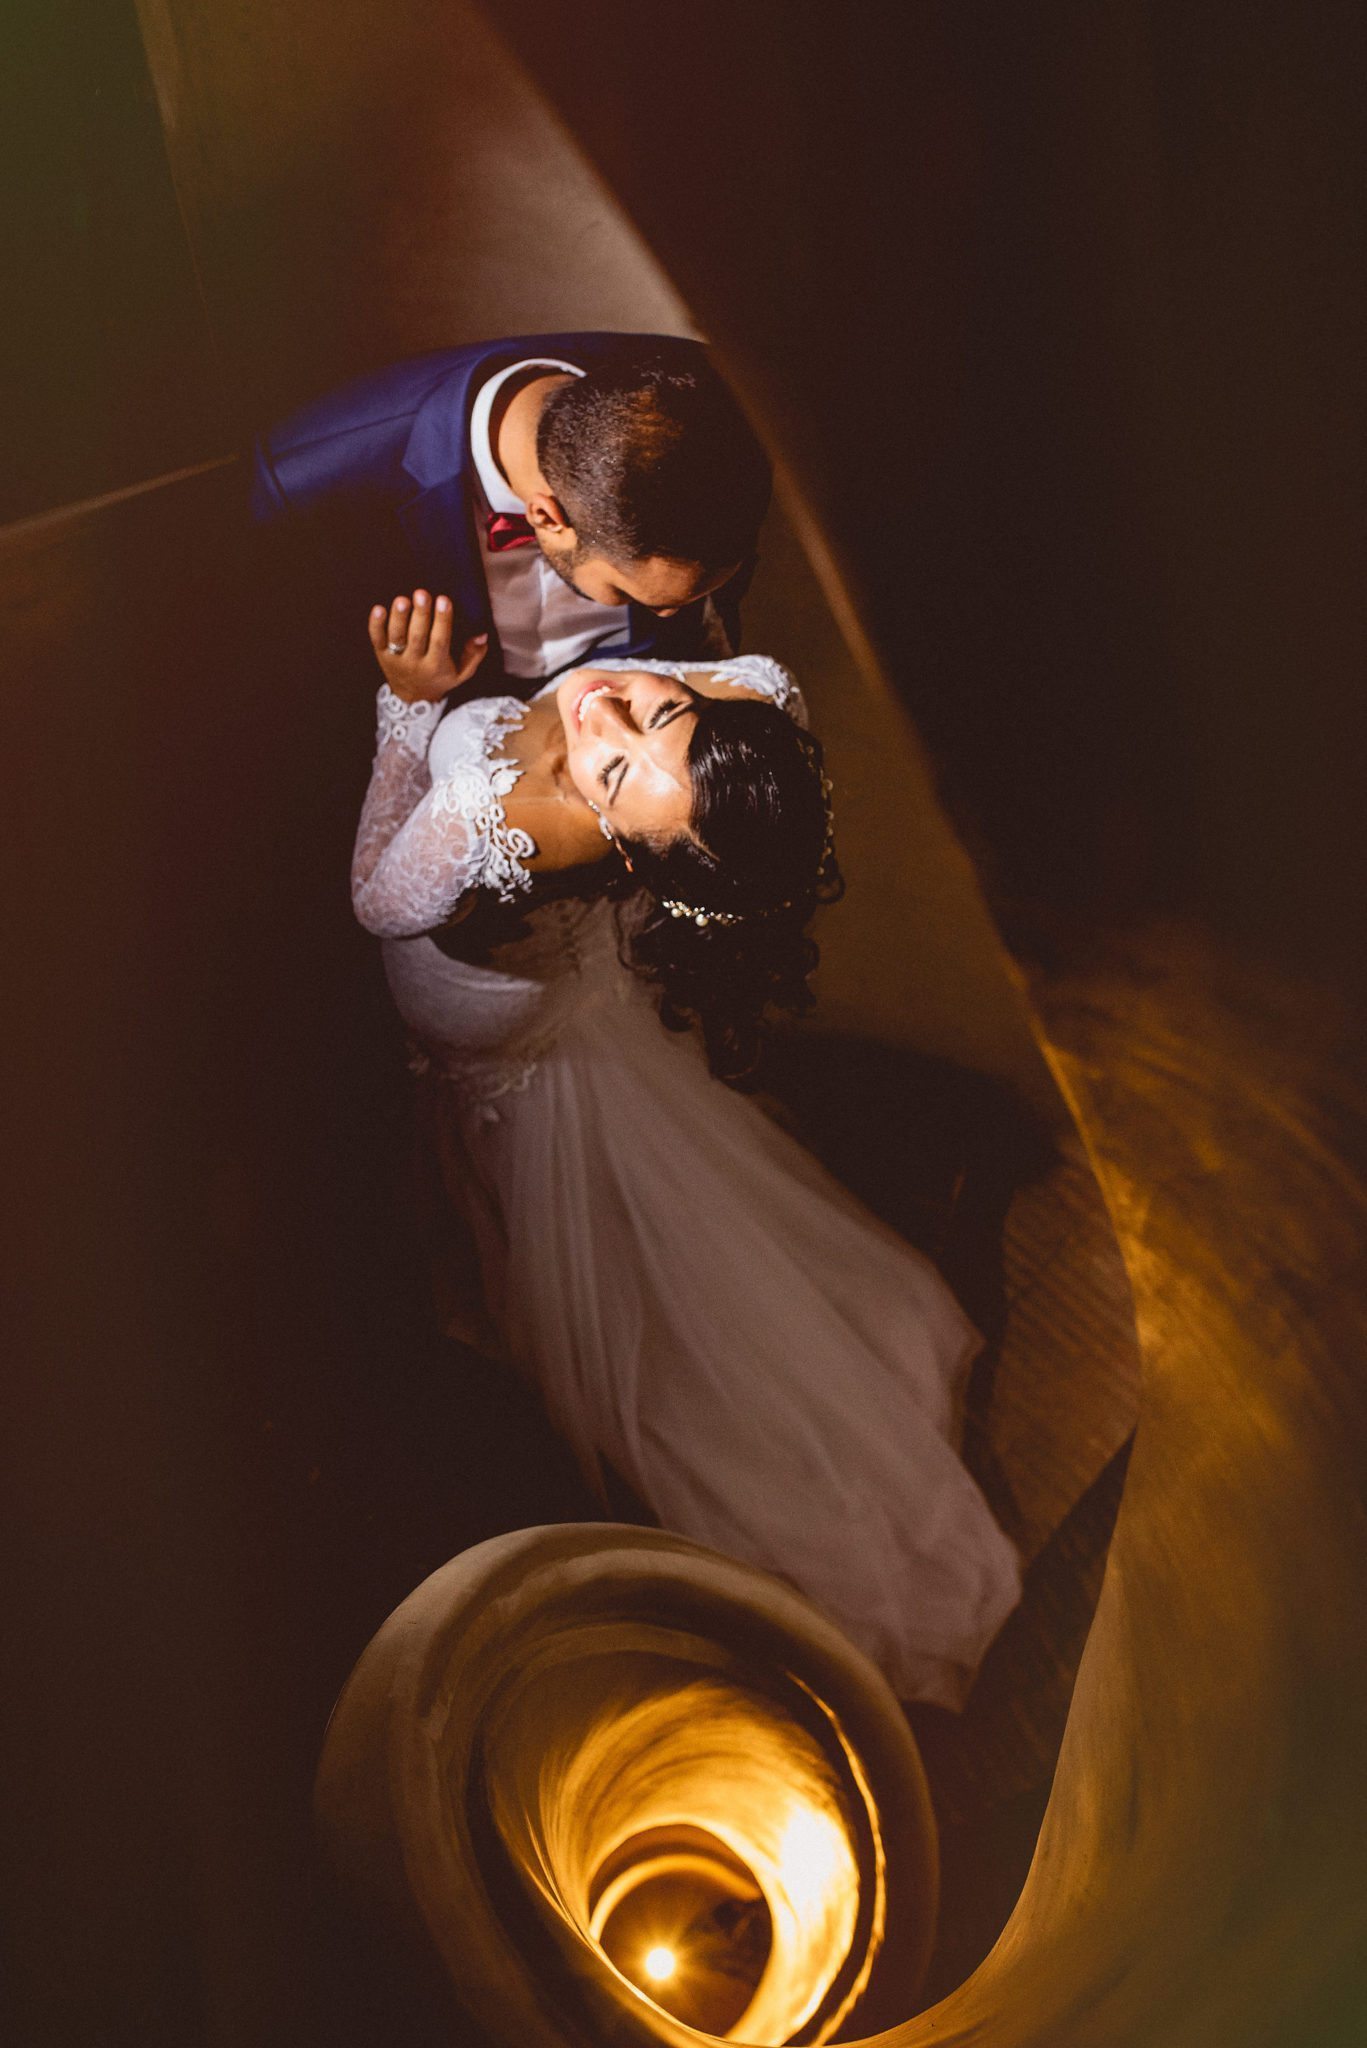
column 758, row 850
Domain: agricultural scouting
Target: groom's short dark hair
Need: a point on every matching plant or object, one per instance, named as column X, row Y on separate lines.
column 649, row 454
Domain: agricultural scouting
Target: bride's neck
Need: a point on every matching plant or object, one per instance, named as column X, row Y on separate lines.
column 550, row 759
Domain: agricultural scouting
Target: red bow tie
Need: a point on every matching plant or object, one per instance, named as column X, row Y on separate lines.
column 506, row 530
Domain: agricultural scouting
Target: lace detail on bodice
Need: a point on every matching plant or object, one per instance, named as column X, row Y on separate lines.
column 486, row 1027
column 473, row 786
column 482, row 1084
column 433, row 826
column 426, row 839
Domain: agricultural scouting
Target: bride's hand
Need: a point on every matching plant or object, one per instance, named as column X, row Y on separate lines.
column 412, row 642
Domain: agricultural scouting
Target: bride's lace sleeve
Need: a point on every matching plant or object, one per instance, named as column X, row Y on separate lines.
column 421, row 846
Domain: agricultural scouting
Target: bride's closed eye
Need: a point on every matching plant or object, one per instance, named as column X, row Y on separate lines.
column 663, row 715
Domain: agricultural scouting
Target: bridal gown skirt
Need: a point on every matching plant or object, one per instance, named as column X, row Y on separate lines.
column 773, row 1371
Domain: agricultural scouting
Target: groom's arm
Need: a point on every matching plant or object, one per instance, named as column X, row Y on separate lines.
column 336, row 545
column 350, row 440
column 327, row 484
column 352, row 472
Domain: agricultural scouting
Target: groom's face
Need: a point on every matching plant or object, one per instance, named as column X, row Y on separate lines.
column 660, row 584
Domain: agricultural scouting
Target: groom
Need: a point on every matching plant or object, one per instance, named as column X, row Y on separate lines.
column 572, row 493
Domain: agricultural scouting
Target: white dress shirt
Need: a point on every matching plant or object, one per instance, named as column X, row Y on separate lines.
column 543, row 625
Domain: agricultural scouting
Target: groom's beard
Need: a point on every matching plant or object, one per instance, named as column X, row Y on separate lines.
column 565, row 561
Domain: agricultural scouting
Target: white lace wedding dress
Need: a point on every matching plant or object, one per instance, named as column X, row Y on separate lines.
column 773, row 1371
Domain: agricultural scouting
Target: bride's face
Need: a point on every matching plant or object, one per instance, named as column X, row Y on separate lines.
column 627, row 736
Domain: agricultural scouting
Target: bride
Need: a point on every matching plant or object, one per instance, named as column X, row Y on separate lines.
column 773, row 1371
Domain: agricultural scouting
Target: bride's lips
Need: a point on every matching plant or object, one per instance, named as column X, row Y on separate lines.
column 593, row 684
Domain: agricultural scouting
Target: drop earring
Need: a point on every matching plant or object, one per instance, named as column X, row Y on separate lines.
column 603, row 825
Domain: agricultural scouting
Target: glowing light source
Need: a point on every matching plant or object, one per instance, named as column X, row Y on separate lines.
column 681, row 1767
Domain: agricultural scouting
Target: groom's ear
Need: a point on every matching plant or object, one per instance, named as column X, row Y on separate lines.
column 546, row 513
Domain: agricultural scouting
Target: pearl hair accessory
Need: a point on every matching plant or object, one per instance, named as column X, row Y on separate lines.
column 702, row 918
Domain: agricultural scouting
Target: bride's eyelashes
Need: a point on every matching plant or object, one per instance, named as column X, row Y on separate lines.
column 663, row 714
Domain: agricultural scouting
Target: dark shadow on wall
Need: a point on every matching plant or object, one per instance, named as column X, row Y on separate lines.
column 1054, row 311
column 107, row 373
column 233, row 1441
column 935, row 1149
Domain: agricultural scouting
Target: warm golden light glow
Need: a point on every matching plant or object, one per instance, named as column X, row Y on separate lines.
column 623, row 1763
column 813, row 1857
column 650, row 1747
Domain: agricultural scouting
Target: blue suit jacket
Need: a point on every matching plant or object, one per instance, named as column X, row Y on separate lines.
column 380, row 470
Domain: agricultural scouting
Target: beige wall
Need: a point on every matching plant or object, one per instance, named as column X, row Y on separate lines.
column 363, row 183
